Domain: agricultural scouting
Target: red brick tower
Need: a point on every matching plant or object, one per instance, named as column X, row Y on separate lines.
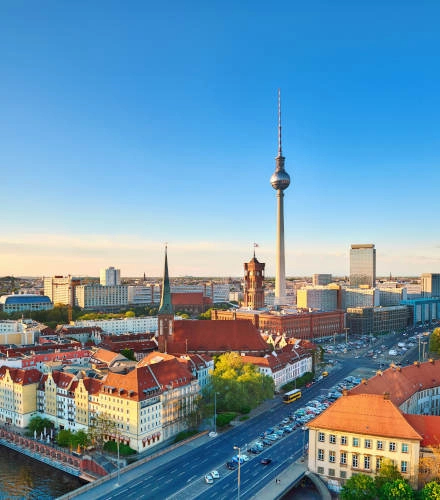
column 254, row 284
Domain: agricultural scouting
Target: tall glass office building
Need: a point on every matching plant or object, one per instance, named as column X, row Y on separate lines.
column 363, row 265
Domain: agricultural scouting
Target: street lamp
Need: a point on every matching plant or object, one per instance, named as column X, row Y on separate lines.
column 117, row 446
column 215, row 412
column 346, row 335
column 239, row 463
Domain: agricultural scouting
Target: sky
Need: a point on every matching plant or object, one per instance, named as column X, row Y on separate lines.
column 126, row 125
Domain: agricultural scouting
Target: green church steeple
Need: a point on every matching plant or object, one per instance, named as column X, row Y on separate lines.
column 166, row 306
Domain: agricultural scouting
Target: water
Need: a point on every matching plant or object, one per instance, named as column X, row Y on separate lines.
column 24, row 478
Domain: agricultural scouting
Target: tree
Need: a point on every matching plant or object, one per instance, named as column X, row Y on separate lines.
column 431, row 491
column 388, row 473
column 130, row 314
column 64, row 438
column 434, row 341
column 129, row 354
column 429, row 465
column 38, row 424
column 398, row 489
column 239, row 386
column 359, row 486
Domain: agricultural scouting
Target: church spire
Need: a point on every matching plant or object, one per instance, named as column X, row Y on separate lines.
column 166, row 307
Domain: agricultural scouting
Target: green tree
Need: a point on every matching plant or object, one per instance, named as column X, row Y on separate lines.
column 239, row 386
column 388, row 473
column 129, row 354
column 431, row 491
column 434, row 341
column 38, row 424
column 64, row 438
column 359, row 486
column 398, row 489
column 130, row 314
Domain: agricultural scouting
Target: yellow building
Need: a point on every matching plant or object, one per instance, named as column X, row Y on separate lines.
column 18, row 395
column 357, row 433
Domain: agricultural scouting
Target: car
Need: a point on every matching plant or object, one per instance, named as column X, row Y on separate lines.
column 267, row 442
column 231, row 465
column 215, row 474
column 209, row 479
column 285, row 421
column 265, row 461
column 243, row 458
column 212, row 434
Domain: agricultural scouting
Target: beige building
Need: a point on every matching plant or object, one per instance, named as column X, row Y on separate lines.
column 18, row 395
column 393, row 415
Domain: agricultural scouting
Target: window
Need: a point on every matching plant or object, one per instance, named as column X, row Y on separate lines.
column 343, row 474
column 355, row 441
column 392, row 446
column 367, row 443
column 404, row 448
column 320, row 470
column 354, row 461
column 343, row 458
column 379, row 445
column 403, row 466
column 332, row 457
column 367, row 465
column 378, row 463
column 320, row 454
column 331, row 472
column 343, row 439
column 332, row 439
column 321, row 437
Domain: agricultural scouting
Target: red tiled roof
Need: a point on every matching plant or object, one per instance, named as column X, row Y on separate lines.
column 428, row 427
column 184, row 299
column 105, row 356
column 216, row 337
column 368, row 414
column 20, row 376
column 402, row 383
column 133, row 385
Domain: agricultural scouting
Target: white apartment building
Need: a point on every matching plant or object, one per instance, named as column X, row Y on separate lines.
column 120, row 326
column 60, row 289
column 110, row 277
column 317, row 297
column 391, row 296
column 98, row 296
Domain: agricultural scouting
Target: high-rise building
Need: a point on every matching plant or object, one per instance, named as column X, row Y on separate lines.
column 321, row 279
column 110, row 277
column 280, row 181
column 430, row 285
column 61, row 289
column 363, row 265
column 254, row 284
column 317, row 297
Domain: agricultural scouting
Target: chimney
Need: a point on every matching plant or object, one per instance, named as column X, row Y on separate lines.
column 344, row 392
column 386, row 395
column 379, row 372
column 364, row 381
column 432, row 361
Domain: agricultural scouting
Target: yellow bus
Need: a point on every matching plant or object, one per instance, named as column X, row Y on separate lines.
column 292, row 396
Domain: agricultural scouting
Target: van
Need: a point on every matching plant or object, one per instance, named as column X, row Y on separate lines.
column 324, row 374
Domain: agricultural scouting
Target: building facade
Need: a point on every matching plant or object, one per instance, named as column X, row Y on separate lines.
column 430, row 283
column 25, row 302
column 369, row 320
column 61, row 289
column 363, row 265
column 110, row 277
column 321, row 279
column 318, row 297
column 95, row 296
column 254, row 284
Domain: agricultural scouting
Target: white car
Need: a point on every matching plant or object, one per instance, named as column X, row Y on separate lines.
column 215, row 474
column 209, row 479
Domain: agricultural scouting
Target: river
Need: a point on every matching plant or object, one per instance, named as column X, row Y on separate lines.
column 24, row 478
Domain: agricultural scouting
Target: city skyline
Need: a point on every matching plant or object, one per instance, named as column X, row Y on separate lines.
column 121, row 131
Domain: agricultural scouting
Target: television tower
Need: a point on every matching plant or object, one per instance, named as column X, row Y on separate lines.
column 280, row 181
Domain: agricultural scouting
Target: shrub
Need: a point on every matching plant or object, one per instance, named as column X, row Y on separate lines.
column 225, row 418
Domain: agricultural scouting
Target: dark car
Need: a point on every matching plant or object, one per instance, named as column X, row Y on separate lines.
column 231, row 465
column 266, row 442
column 265, row 461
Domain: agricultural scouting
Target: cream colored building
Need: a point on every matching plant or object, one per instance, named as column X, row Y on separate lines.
column 357, row 433
column 18, row 395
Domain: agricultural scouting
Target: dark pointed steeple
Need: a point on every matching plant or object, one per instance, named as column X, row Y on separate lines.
column 166, row 306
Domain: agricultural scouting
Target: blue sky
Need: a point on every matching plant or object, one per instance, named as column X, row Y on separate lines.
column 124, row 125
